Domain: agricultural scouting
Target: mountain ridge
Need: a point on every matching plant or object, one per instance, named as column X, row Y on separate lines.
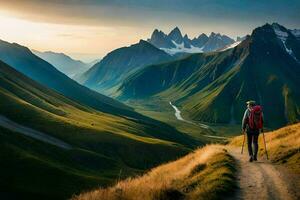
column 63, row 62
column 120, row 63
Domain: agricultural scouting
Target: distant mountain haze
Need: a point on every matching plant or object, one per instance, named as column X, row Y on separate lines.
column 63, row 63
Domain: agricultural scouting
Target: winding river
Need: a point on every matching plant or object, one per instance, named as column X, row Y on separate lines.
column 179, row 117
column 177, row 112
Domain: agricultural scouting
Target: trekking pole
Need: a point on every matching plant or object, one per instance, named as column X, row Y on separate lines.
column 243, row 143
column 265, row 146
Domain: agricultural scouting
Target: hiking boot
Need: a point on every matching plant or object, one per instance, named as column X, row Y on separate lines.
column 250, row 159
column 255, row 159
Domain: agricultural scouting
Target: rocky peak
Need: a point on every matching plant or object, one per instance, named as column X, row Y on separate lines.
column 176, row 35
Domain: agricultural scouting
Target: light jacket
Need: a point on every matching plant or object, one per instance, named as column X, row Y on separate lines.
column 246, row 118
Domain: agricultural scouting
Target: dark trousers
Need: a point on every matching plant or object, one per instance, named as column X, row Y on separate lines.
column 252, row 139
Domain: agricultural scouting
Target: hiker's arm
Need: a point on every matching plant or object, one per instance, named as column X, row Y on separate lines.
column 244, row 121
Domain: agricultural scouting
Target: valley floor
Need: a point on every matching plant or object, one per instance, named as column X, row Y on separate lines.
column 168, row 112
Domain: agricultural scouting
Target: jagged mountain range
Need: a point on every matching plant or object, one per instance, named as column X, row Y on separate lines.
column 174, row 43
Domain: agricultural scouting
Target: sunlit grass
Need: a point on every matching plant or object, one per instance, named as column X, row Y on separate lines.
column 205, row 174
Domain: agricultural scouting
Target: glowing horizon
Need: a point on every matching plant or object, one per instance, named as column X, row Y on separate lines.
column 75, row 40
column 89, row 30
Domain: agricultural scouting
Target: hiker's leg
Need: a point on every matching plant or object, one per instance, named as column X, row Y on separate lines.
column 255, row 143
column 249, row 142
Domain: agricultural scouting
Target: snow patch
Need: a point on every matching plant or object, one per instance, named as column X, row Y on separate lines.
column 231, row 46
column 296, row 32
column 282, row 35
column 181, row 49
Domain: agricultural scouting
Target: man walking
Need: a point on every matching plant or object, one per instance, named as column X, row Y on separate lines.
column 252, row 123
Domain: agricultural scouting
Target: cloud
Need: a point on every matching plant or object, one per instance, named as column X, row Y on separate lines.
column 148, row 12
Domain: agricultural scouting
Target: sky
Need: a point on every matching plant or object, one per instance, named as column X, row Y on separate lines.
column 90, row 29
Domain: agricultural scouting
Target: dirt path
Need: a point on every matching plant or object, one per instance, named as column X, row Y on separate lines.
column 261, row 180
column 8, row 124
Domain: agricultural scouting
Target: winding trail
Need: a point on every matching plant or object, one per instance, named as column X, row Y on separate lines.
column 261, row 180
column 13, row 126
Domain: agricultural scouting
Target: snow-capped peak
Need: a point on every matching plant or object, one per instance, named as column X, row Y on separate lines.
column 283, row 35
column 175, row 42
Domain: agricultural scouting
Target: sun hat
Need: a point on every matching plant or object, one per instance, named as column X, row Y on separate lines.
column 250, row 102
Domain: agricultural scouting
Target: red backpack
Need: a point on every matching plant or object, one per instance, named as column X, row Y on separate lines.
column 256, row 118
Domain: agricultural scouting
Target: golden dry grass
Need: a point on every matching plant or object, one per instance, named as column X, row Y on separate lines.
column 283, row 146
column 203, row 174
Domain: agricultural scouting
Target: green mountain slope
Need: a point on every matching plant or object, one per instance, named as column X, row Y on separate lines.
column 118, row 64
column 214, row 87
column 102, row 144
column 23, row 60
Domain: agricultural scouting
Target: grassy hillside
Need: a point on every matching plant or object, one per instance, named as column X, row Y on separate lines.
column 283, row 146
column 208, row 173
column 103, row 144
column 142, row 84
column 34, row 170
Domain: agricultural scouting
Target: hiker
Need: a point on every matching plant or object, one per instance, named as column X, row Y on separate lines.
column 252, row 123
